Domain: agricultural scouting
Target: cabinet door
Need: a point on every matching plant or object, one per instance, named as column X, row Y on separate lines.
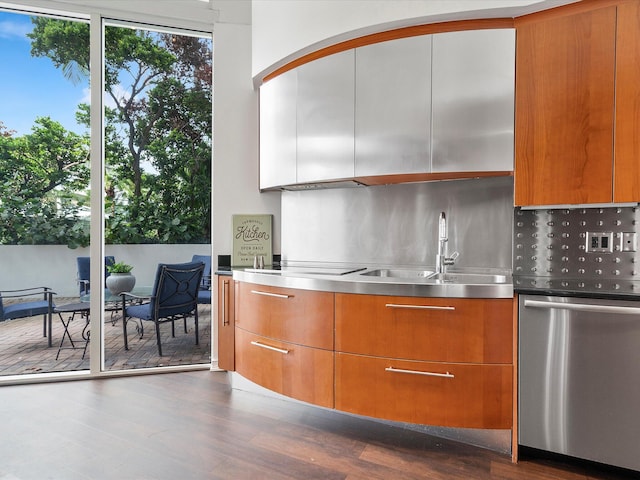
column 299, row 316
column 225, row 320
column 473, row 101
column 564, row 109
column 452, row 395
column 435, row 329
column 298, row 372
column 278, row 131
column 393, row 107
column 627, row 147
column 325, row 118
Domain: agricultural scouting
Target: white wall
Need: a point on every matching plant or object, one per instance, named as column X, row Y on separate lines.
column 54, row 266
column 235, row 138
column 284, row 30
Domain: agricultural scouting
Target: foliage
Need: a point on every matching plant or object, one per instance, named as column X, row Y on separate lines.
column 119, row 267
column 44, row 177
column 158, row 136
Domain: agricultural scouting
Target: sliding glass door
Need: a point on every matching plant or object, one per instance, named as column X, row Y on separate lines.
column 157, row 174
column 90, row 179
column 44, row 180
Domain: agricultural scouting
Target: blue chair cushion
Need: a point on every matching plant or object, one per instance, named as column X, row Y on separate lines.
column 204, row 296
column 27, row 309
column 140, row 311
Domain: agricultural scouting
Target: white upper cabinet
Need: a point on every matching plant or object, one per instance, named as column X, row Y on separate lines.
column 393, row 107
column 278, row 131
column 325, row 117
column 473, row 101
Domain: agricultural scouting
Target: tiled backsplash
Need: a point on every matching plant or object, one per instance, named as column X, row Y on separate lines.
column 591, row 249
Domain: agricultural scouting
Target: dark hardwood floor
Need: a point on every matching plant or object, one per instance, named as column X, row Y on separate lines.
column 194, row 426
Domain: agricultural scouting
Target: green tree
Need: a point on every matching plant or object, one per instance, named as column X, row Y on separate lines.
column 44, row 177
column 163, row 121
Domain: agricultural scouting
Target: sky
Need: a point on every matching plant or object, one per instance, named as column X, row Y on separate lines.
column 32, row 87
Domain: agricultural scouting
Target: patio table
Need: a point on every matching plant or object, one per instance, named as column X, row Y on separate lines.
column 73, row 309
column 113, row 303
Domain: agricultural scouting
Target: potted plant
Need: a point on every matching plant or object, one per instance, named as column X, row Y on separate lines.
column 120, row 278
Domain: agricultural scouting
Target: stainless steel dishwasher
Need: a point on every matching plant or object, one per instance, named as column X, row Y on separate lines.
column 580, row 378
column 579, row 332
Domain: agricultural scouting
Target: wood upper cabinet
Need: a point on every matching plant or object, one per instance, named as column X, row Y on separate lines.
column 627, row 134
column 434, row 329
column 565, row 71
column 225, row 319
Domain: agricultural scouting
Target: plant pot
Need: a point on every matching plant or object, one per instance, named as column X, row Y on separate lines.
column 120, row 282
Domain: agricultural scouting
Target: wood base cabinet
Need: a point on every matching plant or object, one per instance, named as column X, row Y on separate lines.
column 284, row 340
column 443, row 394
column 298, row 316
column 299, row 372
column 434, row 361
column 470, row 330
column 225, row 317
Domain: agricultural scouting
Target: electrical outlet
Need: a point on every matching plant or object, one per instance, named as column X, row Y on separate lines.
column 600, row 242
column 628, row 241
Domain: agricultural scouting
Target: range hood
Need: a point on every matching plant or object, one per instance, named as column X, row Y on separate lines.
column 350, row 183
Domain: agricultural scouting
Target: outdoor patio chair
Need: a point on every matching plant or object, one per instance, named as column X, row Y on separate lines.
column 22, row 309
column 174, row 297
column 84, row 272
column 204, row 294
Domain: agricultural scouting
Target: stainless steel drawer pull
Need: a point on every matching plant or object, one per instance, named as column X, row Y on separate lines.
column 418, row 372
column 269, row 294
column 225, row 293
column 269, row 347
column 419, row 307
column 583, row 307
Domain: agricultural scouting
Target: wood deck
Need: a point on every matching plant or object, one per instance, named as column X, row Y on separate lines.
column 24, row 350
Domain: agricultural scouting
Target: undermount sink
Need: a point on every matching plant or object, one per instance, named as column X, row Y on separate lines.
column 399, row 273
column 407, row 273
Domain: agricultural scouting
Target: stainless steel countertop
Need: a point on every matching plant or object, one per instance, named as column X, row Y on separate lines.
column 356, row 282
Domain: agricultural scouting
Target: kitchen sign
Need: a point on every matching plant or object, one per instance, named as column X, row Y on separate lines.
column 251, row 237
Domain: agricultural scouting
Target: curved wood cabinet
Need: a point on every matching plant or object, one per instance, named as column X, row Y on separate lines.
column 430, row 393
column 297, row 316
column 299, row 372
column 284, row 341
column 435, row 361
column 431, row 329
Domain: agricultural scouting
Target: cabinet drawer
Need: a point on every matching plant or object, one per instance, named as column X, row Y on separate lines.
column 297, row 316
column 433, row 329
column 465, row 396
column 298, row 372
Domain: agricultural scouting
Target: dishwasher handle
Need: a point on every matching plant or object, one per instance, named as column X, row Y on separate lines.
column 583, row 307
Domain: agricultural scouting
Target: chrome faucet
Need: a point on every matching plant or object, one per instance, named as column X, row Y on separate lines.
column 441, row 257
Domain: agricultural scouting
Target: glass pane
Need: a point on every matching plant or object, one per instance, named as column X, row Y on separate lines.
column 158, row 129
column 44, row 179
